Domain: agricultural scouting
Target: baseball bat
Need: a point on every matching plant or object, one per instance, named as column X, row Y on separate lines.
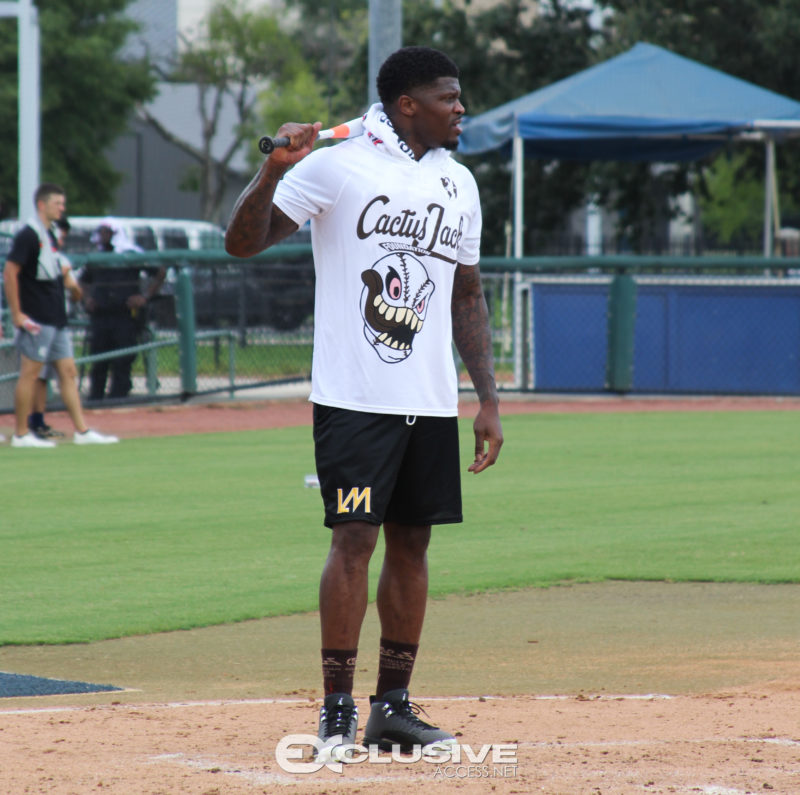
column 349, row 129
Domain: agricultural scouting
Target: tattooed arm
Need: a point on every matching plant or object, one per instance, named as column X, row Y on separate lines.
column 473, row 340
column 255, row 223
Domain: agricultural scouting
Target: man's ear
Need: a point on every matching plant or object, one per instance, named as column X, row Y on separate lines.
column 406, row 105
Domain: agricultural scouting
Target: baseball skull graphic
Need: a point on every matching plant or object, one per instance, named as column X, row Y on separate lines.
column 394, row 303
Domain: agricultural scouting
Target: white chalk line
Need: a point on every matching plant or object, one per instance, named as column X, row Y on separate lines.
column 783, row 741
column 259, row 701
column 261, row 778
column 258, row 778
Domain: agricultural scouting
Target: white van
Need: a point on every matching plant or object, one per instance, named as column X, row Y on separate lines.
column 150, row 234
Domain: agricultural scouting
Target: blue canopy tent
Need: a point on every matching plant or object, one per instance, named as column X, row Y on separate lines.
column 646, row 104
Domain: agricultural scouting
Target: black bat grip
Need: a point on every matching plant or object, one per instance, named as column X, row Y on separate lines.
column 267, row 144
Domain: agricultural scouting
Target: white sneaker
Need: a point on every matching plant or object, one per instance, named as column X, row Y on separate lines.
column 94, row 437
column 29, row 440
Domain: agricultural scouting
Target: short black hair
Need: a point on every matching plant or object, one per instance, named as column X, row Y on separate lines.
column 410, row 67
column 46, row 190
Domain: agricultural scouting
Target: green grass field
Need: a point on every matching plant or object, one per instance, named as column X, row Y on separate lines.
column 264, row 359
column 256, row 359
column 164, row 533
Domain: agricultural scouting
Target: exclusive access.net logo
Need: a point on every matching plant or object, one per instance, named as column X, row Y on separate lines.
column 297, row 753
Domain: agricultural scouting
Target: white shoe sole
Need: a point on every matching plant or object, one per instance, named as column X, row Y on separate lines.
column 40, row 444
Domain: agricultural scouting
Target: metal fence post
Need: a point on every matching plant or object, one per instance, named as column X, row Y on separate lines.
column 231, row 364
column 187, row 341
column 151, row 370
column 519, row 291
column 621, row 321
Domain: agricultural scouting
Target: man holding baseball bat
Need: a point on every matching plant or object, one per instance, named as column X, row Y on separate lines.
column 395, row 226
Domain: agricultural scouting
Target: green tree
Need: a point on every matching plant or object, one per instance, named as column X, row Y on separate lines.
column 503, row 53
column 642, row 196
column 732, row 203
column 755, row 40
column 332, row 35
column 236, row 51
column 88, row 93
column 300, row 98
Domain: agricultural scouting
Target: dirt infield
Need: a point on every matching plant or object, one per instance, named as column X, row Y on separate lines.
column 246, row 415
column 605, row 688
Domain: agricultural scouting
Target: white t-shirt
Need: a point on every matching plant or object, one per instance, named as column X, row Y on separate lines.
column 387, row 232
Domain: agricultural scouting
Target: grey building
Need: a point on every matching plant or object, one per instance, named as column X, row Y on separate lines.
column 158, row 37
column 158, row 174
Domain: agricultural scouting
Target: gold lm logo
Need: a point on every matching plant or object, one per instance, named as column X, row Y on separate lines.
column 353, row 499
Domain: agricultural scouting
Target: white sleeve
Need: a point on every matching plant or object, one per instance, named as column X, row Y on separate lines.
column 469, row 252
column 66, row 265
column 311, row 187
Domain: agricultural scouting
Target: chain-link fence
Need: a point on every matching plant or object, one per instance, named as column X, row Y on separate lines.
column 217, row 324
column 582, row 324
column 724, row 325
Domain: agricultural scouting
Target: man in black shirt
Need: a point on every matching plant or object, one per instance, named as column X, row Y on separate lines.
column 34, row 285
column 36, row 420
column 116, row 304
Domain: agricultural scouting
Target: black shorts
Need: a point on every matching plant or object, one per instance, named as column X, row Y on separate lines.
column 386, row 467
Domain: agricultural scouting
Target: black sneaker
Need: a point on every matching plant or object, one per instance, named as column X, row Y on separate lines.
column 46, row 432
column 338, row 724
column 393, row 721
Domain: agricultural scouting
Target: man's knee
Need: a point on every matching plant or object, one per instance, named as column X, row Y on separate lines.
column 354, row 540
column 410, row 541
column 66, row 369
column 29, row 369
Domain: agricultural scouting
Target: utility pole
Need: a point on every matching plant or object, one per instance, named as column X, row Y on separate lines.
column 28, row 64
column 385, row 36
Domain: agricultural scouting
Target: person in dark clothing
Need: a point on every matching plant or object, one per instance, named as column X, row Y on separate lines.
column 117, row 305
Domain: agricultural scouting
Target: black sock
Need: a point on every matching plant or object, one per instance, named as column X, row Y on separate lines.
column 36, row 420
column 338, row 670
column 395, row 664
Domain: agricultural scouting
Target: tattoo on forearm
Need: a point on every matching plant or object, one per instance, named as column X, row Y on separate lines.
column 471, row 332
column 254, row 223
